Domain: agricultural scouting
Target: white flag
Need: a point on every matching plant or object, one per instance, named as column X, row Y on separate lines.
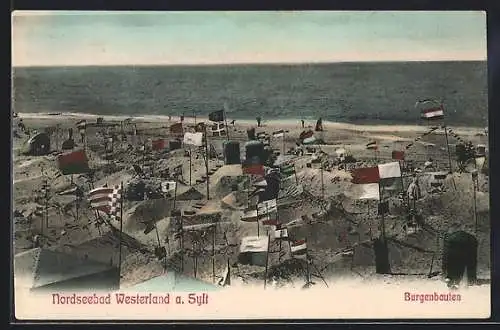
column 167, row 186
column 254, row 244
column 195, row 139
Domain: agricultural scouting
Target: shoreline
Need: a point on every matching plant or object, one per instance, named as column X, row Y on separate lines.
column 249, row 122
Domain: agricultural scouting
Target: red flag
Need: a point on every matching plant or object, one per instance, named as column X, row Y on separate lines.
column 271, row 222
column 158, row 144
column 399, row 155
column 255, row 169
column 365, row 175
column 75, row 162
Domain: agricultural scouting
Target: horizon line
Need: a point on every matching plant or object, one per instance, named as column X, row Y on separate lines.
column 244, row 63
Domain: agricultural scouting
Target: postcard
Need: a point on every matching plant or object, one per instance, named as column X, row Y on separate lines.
column 271, row 165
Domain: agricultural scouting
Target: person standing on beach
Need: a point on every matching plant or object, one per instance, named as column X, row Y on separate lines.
column 232, row 122
column 302, row 121
column 258, row 121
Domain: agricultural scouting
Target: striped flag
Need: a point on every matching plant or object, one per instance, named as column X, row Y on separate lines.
column 434, row 113
column 75, row 162
column 372, row 145
column 106, row 199
column 278, row 134
column 367, row 181
column 287, row 170
column 266, row 207
column 299, row 249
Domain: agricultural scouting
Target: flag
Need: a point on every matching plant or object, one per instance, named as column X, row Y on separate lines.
column 195, row 139
column 271, row 222
column 218, row 129
column 287, row 170
column 159, row 144
column 176, row 128
column 249, row 216
column 254, row 244
column 433, row 113
column 399, row 155
column 216, row 116
column 226, row 278
column 306, row 134
column 266, row 207
column 299, row 248
column 253, row 169
column 369, row 180
column 75, row 162
column 106, row 199
column 365, row 175
column 280, row 233
column 168, row 186
column 280, row 133
column 372, row 145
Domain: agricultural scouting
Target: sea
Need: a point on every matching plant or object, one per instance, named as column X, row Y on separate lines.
column 359, row 93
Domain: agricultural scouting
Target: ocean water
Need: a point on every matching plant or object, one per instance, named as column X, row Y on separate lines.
column 341, row 92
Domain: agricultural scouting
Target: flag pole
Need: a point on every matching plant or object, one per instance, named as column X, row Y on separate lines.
column 213, row 252
column 225, row 123
column 121, row 230
column 449, row 154
column 295, row 174
column 267, row 260
column 281, row 239
column 474, row 183
column 283, row 142
column 175, row 194
column 190, row 166
column 322, row 183
column 206, row 163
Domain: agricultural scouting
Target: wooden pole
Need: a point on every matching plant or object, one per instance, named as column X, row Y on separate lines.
column 474, row 183
column 207, row 156
column 121, row 230
column 190, row 167
column 322, row 183
column 449, row 154
column 225, row 123
column 283, row 143
column 213, row 252
column 267, row 260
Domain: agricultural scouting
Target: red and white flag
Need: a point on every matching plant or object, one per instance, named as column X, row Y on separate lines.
column 106, row 199
column 299, row 249
column 433, row 113
column 367, row 180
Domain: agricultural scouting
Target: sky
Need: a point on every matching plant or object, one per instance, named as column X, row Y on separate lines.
column 200, row 38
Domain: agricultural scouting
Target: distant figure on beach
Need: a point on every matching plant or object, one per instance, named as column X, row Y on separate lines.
column 258, row 121
column 302, row 121
column 182, row 118
column 232, row 122
column 21, row 126
column 319, row 125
